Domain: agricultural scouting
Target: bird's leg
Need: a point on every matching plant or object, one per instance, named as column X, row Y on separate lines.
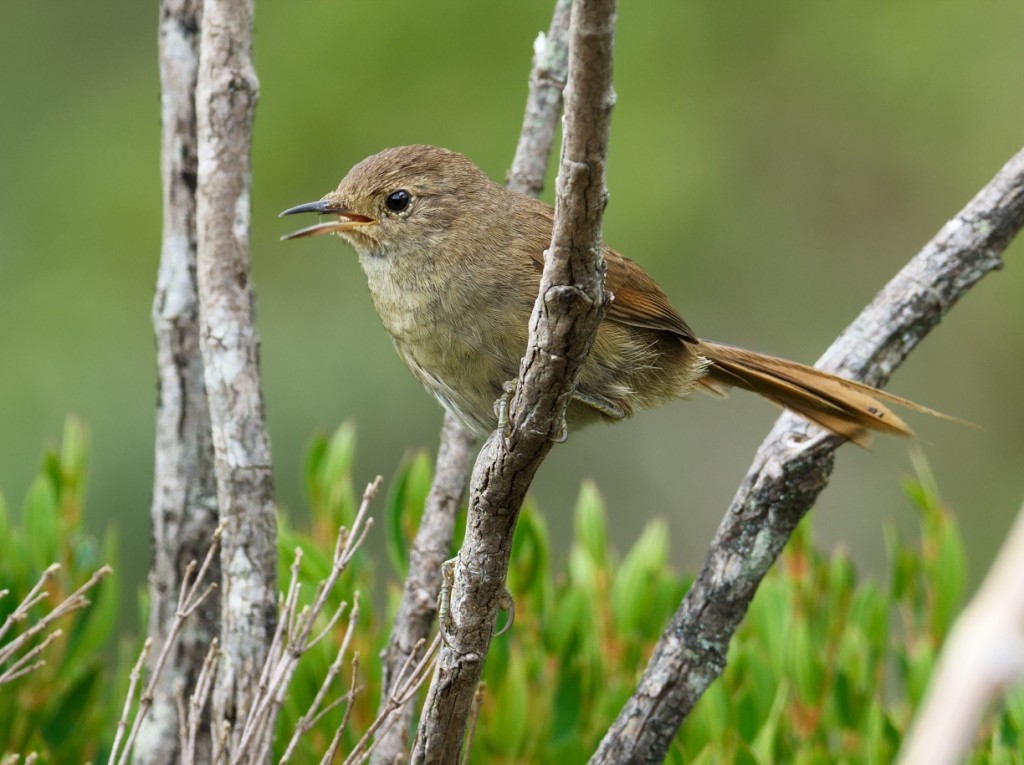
column 508, row 389
column 501, row 407
column 444, row 600
column 602, row 405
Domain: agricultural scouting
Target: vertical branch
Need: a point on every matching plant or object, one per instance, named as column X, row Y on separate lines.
column 543, row 105
column 184, row 509
column 225, row 104
column 570, row 305
column 418, row 607
column 793, row 465
column 433, row 541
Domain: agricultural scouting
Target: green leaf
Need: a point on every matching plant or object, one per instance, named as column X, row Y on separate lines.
column 311, row 468
column 590, row 524
column 336, row 475
column 766, row 742
column 801, row 661
column 636, row 578
column 95, row 627
column 74, row 453
column 513, row 722
column 42, row 524
column 529, row 566
column 948, row 576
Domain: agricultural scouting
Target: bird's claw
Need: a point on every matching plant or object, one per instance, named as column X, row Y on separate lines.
column 444, row 605
column 501, row 406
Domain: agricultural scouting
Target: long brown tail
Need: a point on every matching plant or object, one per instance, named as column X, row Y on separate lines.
column 847, row 408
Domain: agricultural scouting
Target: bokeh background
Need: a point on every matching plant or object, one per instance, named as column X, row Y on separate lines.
column 772, row 165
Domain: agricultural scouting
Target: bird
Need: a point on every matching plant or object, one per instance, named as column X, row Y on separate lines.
column 453, row 262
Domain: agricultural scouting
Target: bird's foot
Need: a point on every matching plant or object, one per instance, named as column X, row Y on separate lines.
column 501, row 407
column 444, row 605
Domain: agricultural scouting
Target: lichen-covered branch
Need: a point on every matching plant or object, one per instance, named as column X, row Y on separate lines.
column 184, row 508
column 226, row 94
column 570, row 305
column 793, row 465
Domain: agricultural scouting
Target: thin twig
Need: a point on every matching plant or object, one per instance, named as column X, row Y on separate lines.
column 188, row 602
column 350, row 697
column 73, row 602
column 21, row 667
column 133, row 684
column 292, row 637
column 200, row 695
column 474, row 716
column 34, row 596
column 314, row 714
column 410, row 679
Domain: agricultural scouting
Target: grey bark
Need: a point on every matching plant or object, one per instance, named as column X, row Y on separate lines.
column 418, row 606
column 184, row 507
column 570, row 305
column 225, row 104
column 543, row 105
column 793, row 465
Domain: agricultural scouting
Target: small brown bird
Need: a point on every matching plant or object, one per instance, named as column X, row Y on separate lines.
column 453, row 262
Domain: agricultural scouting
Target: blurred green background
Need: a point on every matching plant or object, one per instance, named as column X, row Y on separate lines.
column 772, row 165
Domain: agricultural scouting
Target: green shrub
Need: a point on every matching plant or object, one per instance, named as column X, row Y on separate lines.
column 827, row 667
column 65, row 709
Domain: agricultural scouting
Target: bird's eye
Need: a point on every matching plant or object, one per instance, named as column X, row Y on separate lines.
column 398, row 201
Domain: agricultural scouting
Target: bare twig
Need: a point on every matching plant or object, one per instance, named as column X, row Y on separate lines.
column 794, row 462
column 474, row 716
column 410, row 679
column 350, row 698
column 73, row 602
column 315, row 713
column 983, row 657
column 197, row 702
column 189, row 601
column 21, row 666
column 20, row 613
column 133, row 683
column 432, row 545
column 569, row 307
column 293, row 637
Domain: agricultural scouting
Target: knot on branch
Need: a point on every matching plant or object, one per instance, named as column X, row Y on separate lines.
column 569, row 299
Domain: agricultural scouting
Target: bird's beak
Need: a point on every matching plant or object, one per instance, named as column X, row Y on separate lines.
column 347, row 220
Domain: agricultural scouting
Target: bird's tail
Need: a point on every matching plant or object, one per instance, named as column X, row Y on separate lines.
column 847, row 408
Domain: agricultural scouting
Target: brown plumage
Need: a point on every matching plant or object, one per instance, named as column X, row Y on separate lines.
column 453, row 263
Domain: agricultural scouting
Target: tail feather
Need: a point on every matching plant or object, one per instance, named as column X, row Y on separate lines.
column 847, row 408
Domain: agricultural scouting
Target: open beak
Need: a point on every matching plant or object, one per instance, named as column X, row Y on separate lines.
column 346, row 219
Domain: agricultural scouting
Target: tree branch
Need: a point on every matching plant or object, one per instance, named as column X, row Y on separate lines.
column 569, row 307
column 184, row 509
column 226, row 95
column 793, row 465
column 433, row 541
column 543, row 105
column 418, row 607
